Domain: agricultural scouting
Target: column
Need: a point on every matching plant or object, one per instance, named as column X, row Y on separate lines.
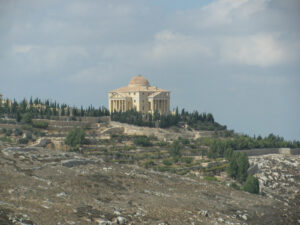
column 166, row 106
column 159, row 105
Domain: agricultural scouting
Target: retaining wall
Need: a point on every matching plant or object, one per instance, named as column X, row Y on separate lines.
column 266, row 151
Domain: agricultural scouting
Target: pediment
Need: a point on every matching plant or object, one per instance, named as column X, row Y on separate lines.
column 117, row 96
column 159, row 95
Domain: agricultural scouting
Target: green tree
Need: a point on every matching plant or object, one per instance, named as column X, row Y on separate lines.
column 18, row 117
column 142, row 141
column 228, row 153
column 175, row 150
column 232, row 169
column 27, row 118
column 75, row 137
column 251, row 185
column 243, row 166
column 238, row 166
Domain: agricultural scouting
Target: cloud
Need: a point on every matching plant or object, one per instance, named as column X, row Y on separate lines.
column 265, row 80
column 174, row 47
column 260, row 50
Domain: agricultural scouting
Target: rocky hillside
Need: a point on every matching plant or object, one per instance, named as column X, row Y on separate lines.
column 41, row 186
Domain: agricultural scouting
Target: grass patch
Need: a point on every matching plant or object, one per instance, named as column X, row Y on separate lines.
column 209, row 178
column 235, row 186
column 5, row 139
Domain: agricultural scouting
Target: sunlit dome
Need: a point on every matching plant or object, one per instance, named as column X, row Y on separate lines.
column 139, row 81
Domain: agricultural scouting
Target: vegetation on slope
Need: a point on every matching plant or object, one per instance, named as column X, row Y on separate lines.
column 195, row 120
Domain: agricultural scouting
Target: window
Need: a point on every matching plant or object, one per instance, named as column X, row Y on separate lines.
column 134, row 100
column 143, row 108
column 134, row 93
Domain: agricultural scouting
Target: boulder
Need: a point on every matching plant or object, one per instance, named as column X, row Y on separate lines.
column 120, row 220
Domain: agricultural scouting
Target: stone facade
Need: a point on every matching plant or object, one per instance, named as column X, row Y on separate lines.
column 141, row 96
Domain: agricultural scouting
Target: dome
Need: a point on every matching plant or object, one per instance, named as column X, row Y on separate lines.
column 139, row 81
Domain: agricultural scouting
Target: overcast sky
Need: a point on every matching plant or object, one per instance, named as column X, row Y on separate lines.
column 238, row 59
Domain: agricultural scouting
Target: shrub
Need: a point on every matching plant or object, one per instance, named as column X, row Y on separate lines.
column 23, row 141
column 184, row 141
column 5, row 139
column 148, row 164
column 162, row 143
column 142, row 141
column 235, row 186
column 75, row 137
column 210, row 178
column 3, row 130
column 27, row 118
column 251, row 185
column 8, row 132
column 188, row 160
column 182, row 172
column 40, row 124
column 175, row 150
column 18, row 132
column 167, row 162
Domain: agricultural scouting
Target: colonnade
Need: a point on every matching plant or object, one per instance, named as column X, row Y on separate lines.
column 118, row 105
column 160, row 105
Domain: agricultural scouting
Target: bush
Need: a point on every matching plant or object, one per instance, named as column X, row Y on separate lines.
column 8, row 132
column 175, row 150
column 3, row 130
column 167, row 162
column 188, row 160
column 27, row 118
column 23, row 141
column 210, row 178
column 251, row 185
column 5, row 139
column 148, row 164
column 75, row 137
column 142, row 141
column 235, row 186
column 40, row 124
column 18, row 132
column 184, row 141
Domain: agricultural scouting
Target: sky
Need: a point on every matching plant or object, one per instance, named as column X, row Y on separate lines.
column 238, row 59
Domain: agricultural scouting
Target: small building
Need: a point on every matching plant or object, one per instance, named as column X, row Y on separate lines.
column 141, row 96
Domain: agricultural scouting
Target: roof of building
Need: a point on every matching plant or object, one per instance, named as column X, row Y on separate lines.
column 139, row 83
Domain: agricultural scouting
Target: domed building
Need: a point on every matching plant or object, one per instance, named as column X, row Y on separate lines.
column 141, row 96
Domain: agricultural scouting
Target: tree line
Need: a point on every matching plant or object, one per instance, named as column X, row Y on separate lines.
column 218, row 147
column 46, row 109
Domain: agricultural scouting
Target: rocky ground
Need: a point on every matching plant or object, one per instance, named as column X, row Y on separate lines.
column 42, row 186
column 279, row 179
